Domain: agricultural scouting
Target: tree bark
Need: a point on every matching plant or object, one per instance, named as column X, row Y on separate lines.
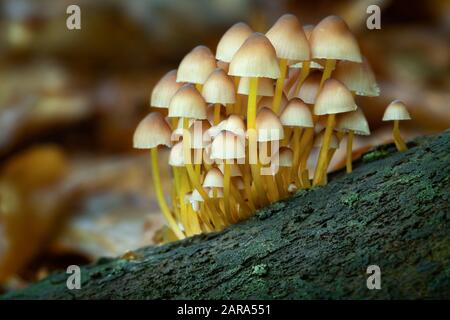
column 392, row 211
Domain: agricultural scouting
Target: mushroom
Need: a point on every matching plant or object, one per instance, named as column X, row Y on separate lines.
column 296, row 115
column 269, row 130
column 357, row 77
column 196, row 66
column 228, row 45
column 256, row 58
column 352, row 123
column 150, row 133
column 219, row 89
column 290, row 44
column 397, row 111
column 331, row 39
column 227, row 147
column 334, row 98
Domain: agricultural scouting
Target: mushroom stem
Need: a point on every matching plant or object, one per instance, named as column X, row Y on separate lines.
column 216, row 114
column 329, row 67
column 160, row 195
column 273, row 192
column 193, row 176
column 243, row 207
column 229, row 108
column 279, row 86
column 349, row 151
column 280, row 184
column 251, row 125
column 237, row 105
column 399, row 142
column 248, row 189
column 301, row 78
column 226, row 188
column 322, row 162
column 199, row 87
column 296, row 157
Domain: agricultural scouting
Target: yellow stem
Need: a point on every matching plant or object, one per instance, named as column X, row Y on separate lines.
column 349, row 151
column 329, row 67
column 229, row 108
column 323, row 156
column 160, row 195
column 251, row 125
column 237, row 105
column 226, row 187
column 279, row 86
column 296, row 157
column 280, row 184
column 216, row 114
column 399, row 142
column 199, row 87
column 301, row 78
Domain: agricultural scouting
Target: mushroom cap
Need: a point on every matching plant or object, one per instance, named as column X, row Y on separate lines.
column 232, row 40
column 285, row 157
column 151, row 132
column 297, row 114
column 187, row 102
column 164, row 90
column 196, row 196
column 234, row 169
column 255, row 58
column 334, row 98
column 227, row 146
column 176, row 157
column 213, row 179
column 396, row 110
column 196, row 66
column 318, row 140
column 233, row 124
column 354, row 121
column 268, row 126
column 219, row 88
column 310, row 88
column 288, row 39
column 332, row 39
column 265, row 87
column 357, row 77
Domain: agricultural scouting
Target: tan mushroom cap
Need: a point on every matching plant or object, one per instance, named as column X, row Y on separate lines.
column 165, row 89
column 265, row 87
column 288, row 39
column 213, row 179
column 232, row 40
column 354, row 121
column 297, row 114
column 332, row 39
column 396, row 110
column 318, row 141
column 285, row 157
column 233, row 124
column 268, row 126
column 176, row 157
column 196, row 66
column 255, row 58
column 234, row 169
column 227, row 146
column 334, row 98
column 357, row 77
column 310, row 88
column 219, row 88
column 187, row 102
column 151, row 132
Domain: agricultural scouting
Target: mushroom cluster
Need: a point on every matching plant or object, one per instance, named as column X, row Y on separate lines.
column 241, row 124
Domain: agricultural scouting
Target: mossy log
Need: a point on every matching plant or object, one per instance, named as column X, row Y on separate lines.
column 392, row 211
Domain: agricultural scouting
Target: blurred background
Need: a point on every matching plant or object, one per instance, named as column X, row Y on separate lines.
column 72, row 189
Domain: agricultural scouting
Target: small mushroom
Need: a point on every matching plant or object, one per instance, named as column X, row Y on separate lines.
column 397, row 111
